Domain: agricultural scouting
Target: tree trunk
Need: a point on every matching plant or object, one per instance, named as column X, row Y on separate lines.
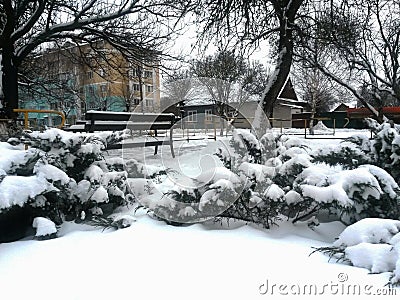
column 281, row 72
column 8, row 64
column 10, row 82
column 277, row 82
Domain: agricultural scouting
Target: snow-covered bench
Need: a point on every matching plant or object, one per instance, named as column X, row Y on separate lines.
column 114, row 121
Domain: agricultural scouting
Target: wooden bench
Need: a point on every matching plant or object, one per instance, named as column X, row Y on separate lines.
column 114, row 121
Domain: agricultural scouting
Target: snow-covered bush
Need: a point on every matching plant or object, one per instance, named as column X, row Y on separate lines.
column 309, row 181
column 246, row 145
column 352, row 152
column 370, row 243
column 274, row 177
column 63, row 175
column 45, row 228
column 71, row 152
column 367, row 191
column 208, row 195
column 382, row 151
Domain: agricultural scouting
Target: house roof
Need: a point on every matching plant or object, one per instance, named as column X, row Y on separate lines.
column 364, row 112
column 287, row 95
column 290, row 105
column 288, row 91
column 341, row 108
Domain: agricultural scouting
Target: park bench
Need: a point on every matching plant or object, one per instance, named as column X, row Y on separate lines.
column 114, row 121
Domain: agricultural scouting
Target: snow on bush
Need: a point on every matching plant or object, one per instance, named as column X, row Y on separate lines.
column 370, row 243
column 274, row 193
column 216, row 193
column 310, row 181
column 367, row 191
column 256, row 171
column 202, row 198
column 13, row 160
column 369, row 230
column 382, row 151
column 71, row 152
column 19, row 190
column 45, row 228
column 63, row 175
column 295, row 164
column 247, row 145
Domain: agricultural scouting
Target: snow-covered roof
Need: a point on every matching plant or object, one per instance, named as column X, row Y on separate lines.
column 291, row 100
column 290, row 105
column 340, row 107
column 201, row 101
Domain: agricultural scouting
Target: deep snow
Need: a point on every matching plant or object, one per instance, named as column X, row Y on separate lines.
column 152, row 260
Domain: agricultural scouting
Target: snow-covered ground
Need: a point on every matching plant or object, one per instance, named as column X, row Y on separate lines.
column 152, row 260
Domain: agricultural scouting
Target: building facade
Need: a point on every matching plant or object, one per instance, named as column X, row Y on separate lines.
column 286, row 106
column 75, row 79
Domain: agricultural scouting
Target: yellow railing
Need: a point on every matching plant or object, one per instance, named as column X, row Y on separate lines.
column 26, row 111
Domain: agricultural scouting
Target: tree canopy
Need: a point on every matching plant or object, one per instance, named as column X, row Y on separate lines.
column 135, row 28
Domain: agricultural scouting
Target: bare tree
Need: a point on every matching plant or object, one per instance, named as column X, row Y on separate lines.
column 247, row 23
column 48, row 79
column 133, row 27
column 228, row 77
column 362, row 40
column 316, row 89
column 217, row 74
column 178, row 88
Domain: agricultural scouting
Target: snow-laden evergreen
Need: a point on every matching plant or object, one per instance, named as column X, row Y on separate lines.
column 279, row 177
column 62, row 176
column 370, row 243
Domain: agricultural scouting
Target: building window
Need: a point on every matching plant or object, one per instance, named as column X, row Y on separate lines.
column 149, row 102
column 208, row 115
column 136, row 87
column 148, row 74
column 103, row 90
column 89, row 75
column 133, row 73
column 136, row 101
column 91, row 90
column 192, row 116
column 149, row 88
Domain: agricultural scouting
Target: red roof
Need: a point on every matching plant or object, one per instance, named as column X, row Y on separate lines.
column 363, row 111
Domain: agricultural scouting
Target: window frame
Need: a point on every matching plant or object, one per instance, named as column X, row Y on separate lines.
column 208, row 115
column 192, row 116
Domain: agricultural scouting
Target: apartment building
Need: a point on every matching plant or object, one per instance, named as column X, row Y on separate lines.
column 76, row 79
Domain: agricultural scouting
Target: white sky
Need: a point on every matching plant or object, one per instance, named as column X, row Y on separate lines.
column 186, row 42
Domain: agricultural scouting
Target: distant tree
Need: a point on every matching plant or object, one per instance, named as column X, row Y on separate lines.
column 316, row 89
column 217, row 74
column 256, row 79
column 361, row 39
column 246, row 24
column 137, row 29
column 385, row 98
column 178, row 87
column 46, row 82
column 229, row 78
